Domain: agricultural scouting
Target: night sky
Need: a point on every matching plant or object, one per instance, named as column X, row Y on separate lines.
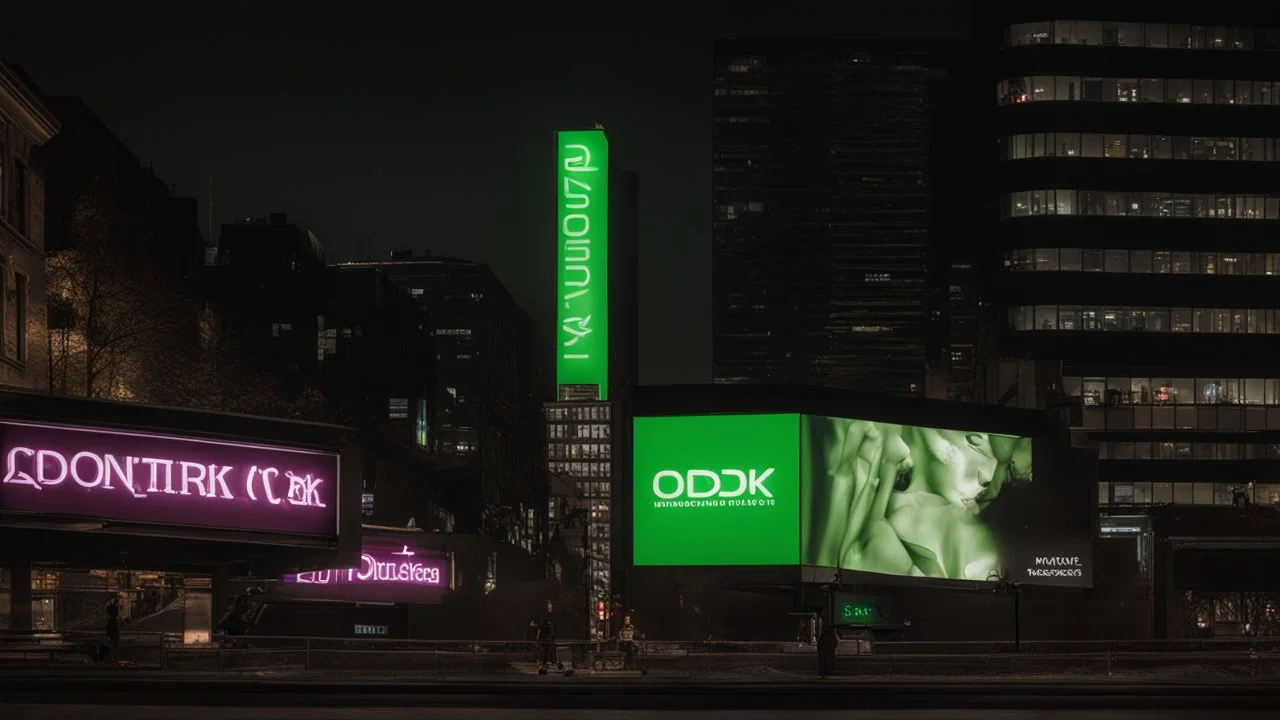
column 404, row 132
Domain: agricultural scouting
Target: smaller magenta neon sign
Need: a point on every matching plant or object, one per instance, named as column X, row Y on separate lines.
column 378, row 566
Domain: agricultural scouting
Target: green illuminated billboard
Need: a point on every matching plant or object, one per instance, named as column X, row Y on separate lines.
column 717, row 490
column 582, row 263
column 861, row 610
column 858, row 495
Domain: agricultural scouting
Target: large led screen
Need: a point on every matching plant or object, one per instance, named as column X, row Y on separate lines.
column 858, row 495
column 717, row 490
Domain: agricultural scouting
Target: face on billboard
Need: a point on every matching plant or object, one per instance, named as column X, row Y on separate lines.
column 919, row 502
column 151, row 478
column 582, row 265
column 717, row 490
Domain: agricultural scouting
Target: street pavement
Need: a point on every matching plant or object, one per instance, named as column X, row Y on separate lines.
column 139, row 694
column 154, row 712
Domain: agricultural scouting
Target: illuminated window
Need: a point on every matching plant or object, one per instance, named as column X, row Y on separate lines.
column 1069, row 88
column 398, row 408
column 1143, row 262
column 1145, row 319
column 1141, row 35
column 1140, row 147
column 1225, row 206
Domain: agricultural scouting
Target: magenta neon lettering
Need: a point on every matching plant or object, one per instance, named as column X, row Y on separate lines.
column 395, row 568
column 128, row 476
column 139, row 477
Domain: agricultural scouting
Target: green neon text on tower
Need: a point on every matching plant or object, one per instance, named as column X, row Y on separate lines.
column 582, row 269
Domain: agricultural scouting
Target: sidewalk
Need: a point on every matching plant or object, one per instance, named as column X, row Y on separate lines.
column 106, row 677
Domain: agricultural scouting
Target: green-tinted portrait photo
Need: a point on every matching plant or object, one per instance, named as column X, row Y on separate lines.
column 904, row 500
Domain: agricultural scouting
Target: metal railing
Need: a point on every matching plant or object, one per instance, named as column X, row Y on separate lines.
column 417, row 660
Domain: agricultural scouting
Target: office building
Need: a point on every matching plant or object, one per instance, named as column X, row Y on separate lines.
column 269, row 285
column 824, row 212
column 485, row 418
column 346, row 344
column 1132, row 263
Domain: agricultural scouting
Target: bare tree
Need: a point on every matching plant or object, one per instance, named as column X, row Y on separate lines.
column 123, row 328
column 215, row 373
column 111, row 306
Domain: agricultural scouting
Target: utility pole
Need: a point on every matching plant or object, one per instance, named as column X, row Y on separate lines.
column 1007, row 587
column 1017, row 617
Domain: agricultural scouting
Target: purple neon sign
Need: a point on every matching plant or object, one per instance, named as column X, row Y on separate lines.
column 151, row 478
column 379, row 566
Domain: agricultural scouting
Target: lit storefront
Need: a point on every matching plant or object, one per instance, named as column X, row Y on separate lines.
column 157, row 508
column 388, row 592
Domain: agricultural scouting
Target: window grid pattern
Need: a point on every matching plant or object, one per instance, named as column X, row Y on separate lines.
column 579, row 448
column 1187, row 493
column 1166, row 391
column 1122, row 146
column 1095, row 318
column 1141, row 262
column 1166, row 450
column 1165, row 36
column 1218, row 206
column 1190, row 91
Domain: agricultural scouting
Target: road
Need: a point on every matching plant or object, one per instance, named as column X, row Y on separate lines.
column 158, row 712
column 137, row 697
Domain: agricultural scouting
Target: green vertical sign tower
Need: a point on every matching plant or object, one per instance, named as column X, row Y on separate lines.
column 582, row 269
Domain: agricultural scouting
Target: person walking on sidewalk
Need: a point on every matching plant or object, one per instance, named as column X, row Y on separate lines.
column 113, row 624
column 827, row 643
column 627, row 643
column 546, row 642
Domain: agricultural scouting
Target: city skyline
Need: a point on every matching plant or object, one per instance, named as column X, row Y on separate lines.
column 911, row 354
column 253, row 107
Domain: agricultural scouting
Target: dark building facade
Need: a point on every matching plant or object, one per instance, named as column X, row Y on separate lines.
column 489, row 383
column 123, row 269
column 25, row 124
column 345, row 342
column 964, row 338
column 269, row 284
column 1136, row 194
column 823, row 268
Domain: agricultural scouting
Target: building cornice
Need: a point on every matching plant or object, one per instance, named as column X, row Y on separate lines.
column 24, row 107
